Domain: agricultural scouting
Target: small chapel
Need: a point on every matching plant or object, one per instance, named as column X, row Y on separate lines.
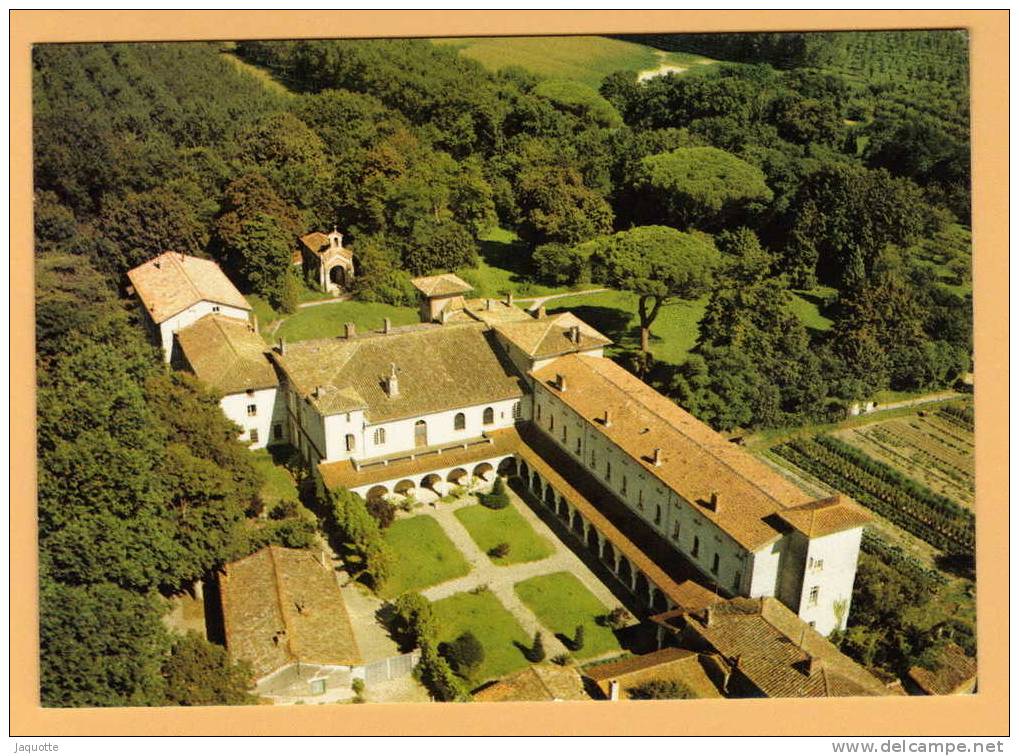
column 325, row 261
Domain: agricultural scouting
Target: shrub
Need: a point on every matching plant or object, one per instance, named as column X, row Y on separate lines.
column 465, row 654
column 577, row 641
column 536, row 653
column 616, row 619
column 498, row 498
column 436, row 675
column 659, row 689
column 413, row 622
column 499, row 551
column 382, row 510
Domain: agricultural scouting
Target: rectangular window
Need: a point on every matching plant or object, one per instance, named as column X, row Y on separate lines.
column 624, row 485
column 736, row 580
column 252, row 410
column 551, row 422
column 818, row 564
column 815, row 594
column 380, row 436
column 564, row 434
column 594, row 459
column 608, row 471
column 675, row 530
column 277, row 431
column 517, row 412
column 318, row 687
column 578, row 446
column 538, row 410
column 215, row 308
column 253, row 435
column 714, row 564
column 640, row 499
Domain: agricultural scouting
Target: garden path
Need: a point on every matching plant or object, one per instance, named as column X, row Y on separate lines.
column 501, row 579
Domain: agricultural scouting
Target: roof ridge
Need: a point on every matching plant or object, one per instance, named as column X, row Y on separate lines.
column 284, row 615
column 684, row 433
column 184, row 271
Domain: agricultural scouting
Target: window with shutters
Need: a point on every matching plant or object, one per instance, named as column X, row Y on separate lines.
column 380, row 437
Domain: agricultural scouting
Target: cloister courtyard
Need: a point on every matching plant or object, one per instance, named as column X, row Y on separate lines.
column 546, row 581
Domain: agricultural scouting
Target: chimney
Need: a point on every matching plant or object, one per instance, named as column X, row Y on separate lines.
column 607, row 419
column 709, row 616
column 488, row 304
column 657, row 457
column 560, row 382
column 812, row 665
column 575, row 334
column 319, row 391
column 157, row 263
column 387, row 325
column 714, row 501
column 509, row 298
column 539, row 313
column 322, row 558
column 613, row 690
column 351, row 330
column 392, row 382
column 282, row 346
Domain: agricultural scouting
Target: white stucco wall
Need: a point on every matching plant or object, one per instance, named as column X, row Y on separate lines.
column 185, row 318
column 675, row 519
column 399, row 434
column 831, row 568
column 269, row 411
column 765, row 571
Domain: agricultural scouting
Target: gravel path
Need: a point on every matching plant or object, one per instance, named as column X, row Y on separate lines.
column 537, row 302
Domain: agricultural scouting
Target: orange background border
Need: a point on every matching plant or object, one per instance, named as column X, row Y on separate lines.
column 983, row 714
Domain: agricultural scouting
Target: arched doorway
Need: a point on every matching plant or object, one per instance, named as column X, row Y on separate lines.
column 578, row 524
column 376, row 492
column 608, row 554
column 550, row 497
column 432, row 482
column 420, row 433
column 456, row 476
column 640, row 587
column 404, row 487
column 507, row 467
column 624, row 573
column 592, row 539
column 338, row 276
column 483, row 471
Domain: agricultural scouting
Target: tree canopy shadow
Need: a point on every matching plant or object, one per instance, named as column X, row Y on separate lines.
column 614, row 323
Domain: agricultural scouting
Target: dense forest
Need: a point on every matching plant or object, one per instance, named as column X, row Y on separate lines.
column 814, row 163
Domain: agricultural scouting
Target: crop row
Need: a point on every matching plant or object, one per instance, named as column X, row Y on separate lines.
column 908, row 565
column 927, row 515
column 961, row 415
column 912, row 458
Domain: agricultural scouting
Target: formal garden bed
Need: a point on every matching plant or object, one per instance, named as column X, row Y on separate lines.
column 480, row 612
column 491, row 528
column 423, row 556
column 561, row 602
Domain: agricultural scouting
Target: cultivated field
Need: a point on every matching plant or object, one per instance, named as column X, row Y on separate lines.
column 933, row 449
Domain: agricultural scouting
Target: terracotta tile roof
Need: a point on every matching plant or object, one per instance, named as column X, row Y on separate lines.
column 172, row 282
column 494, row 311
column 825, row 516
column 956, row 673
column 227, row 355
column 542, row 456
column 550, row 336
column 545, row 682
column 282, row 606
column 315, row 241
column 780, row 654
column 438, row 368
column 413, row 463
column 442, row 285
column 696, row 461
column 682, row 665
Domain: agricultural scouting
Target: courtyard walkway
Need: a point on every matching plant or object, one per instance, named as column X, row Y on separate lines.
column 501, row 579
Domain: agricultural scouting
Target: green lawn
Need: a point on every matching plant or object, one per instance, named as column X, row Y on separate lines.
column 423, row 556
column 584, row 59
column 504, row 266
column 483, row 614
column 808, row 306
column 328, row 320
column 562, row 602
column 490, row 527
column 278, row 484
column 614, row 313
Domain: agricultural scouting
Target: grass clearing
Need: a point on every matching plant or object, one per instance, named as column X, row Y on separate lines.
column 424, row 556
column 504, row 266
column 561, row 602
column 614, row 313
column 809, row 307
column 584, row 59
column 498, row 630
column 267, row 79
column 278, row 484
column 490, row 527
column 329, row 320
